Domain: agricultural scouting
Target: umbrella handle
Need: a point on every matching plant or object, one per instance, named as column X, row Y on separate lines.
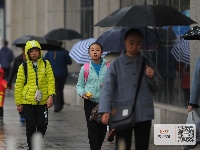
column 54, row 54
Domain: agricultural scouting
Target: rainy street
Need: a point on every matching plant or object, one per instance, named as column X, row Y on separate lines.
column 66, row 130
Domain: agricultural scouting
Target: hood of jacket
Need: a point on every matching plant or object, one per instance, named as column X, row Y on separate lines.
column 31, row 45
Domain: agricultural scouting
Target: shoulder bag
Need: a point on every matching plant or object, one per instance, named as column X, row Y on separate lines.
column 123, row 117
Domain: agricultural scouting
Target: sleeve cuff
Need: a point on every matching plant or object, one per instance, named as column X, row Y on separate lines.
column 194, row 105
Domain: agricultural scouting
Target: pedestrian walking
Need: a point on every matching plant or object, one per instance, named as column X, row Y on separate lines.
column 195, row 88
column 194, row 104
column 6, row 57
column 34, row 90
column 13, row 72
column 59, row 61
column 89, row 88
column 3, row 86
column 119, row 88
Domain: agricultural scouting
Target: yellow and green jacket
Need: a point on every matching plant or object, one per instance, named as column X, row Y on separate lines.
column 24, row 94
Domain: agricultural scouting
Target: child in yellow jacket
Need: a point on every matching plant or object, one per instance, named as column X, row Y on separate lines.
column 34, row 90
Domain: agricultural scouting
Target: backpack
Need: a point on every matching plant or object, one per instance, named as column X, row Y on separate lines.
column 86, row 70
column 25, row 69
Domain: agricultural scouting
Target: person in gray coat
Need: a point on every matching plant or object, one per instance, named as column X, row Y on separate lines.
column 119, row 88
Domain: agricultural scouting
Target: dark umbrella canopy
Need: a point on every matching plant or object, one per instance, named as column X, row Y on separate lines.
column 192, row 34
column 63, row 34
column 145, row 15
column 112, row 40
column 46, row 44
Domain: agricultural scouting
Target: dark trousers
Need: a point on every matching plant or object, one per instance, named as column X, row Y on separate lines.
column 6, row 73
column 36, row 117
column 96, row 131
column 141, row 132
column 186, row 93
column 21, row 114
column 59, row 97
column 1, row 111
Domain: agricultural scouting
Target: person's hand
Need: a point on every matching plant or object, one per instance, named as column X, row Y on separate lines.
column 20, row 108
column 84, row 96
column 50, row 102
column 105, row 118
column 149, row 72
column 190, row 108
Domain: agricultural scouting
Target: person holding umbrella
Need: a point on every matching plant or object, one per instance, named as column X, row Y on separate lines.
column 59, row 61
column 6, row 57
column 120, row 85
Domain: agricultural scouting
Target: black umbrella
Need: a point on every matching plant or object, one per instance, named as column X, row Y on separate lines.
column 46, row 44
column 192, row 34
column 145, row 15
column 63, row 34
column 112, row 40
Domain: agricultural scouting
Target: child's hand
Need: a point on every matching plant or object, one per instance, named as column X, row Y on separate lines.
column 50, row 102
column 84, row 96
column 87, row 95
column 20, row 108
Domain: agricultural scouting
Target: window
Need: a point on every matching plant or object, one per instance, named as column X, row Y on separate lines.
column 173, row 92
column 87, row 18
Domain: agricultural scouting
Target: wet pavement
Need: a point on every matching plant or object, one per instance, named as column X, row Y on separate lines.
column 66, row 130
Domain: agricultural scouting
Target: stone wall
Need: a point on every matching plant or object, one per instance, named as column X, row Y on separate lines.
column 37, row 17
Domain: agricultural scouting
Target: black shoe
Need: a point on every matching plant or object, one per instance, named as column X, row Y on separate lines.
column 111, row 135
column 22, row 119
column 59, row 109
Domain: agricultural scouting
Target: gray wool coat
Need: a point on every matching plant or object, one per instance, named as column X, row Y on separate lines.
column 120, row 84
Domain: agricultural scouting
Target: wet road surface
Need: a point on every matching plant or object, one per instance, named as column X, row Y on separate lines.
column 66, row 130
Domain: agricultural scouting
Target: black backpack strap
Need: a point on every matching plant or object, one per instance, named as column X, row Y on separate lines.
column 45, row 63
column 25, row 69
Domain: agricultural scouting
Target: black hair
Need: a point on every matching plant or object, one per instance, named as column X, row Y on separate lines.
column 133, row 31
column 5, row 42
column 34, row 48
column 97, row 44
